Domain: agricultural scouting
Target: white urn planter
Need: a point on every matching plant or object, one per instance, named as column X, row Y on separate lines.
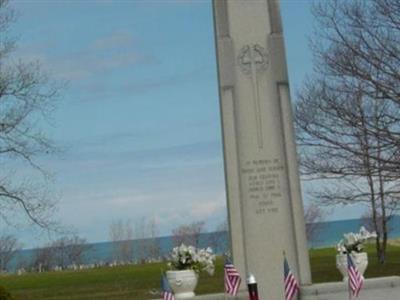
column 360, row 260
column 183, row 283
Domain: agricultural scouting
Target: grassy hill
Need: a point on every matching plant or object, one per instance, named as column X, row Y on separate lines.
column 142, row 282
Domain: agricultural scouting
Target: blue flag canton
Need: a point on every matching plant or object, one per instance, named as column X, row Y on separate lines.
column 228, row 261
column 165, row 285
column 350, row 263
column 286, row 268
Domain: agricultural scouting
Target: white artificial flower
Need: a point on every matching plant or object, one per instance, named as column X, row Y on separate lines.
column 353, row 241
column 340, row 247
column 191, row 250
column 364, row 232
column 349, row 238
column 192, row 258
column 183, row 248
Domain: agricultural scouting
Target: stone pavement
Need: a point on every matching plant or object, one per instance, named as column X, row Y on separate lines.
column 384, row 288
column 373, row 289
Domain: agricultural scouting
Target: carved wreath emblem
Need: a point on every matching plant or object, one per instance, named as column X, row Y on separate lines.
column 252, row 57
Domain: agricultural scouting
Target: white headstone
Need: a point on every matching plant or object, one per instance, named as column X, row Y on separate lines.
column 264, row 197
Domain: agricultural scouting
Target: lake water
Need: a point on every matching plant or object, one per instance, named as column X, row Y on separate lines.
column 329, row 235
column 332, row 232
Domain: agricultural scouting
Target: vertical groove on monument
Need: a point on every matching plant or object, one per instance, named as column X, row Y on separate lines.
column 226, row 91
column 278, row 62
column 263, row 189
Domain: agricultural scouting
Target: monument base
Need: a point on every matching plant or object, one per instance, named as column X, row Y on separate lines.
column 373, row 289
column 240, row 296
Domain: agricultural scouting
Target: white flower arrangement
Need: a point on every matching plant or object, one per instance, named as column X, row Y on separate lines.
column 354, row 242
column 190, row 258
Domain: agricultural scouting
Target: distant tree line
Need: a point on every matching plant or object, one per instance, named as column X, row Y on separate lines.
column 61, row 253
column 134, row 242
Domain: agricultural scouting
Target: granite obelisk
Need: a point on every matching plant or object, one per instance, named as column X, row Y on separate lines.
column 262, row 181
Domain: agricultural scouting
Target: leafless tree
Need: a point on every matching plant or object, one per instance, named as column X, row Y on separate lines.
column 367, row 221
column 154, row 242
column 313, row 216
column 147, row 242
column 26, row 98
column 69, row 250
column 43, row 259
column 347, row 114
column 9, row 247
column 188, row 234
column 121, row 236
column 62, row 252
column 218, row 239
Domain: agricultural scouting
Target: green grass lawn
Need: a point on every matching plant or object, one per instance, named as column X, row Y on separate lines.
column 324, row 270
column 139, row 282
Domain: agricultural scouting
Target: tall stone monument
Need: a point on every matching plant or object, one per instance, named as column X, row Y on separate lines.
column 264, row 197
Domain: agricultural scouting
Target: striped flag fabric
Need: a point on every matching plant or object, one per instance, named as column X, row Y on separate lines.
column 167, row 293
column 232, row 278
column 291, row 284
column 355, row 278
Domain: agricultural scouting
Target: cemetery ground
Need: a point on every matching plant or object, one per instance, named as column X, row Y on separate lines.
column 142, row 282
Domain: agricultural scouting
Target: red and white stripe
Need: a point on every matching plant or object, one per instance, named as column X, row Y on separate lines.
column 168, row 296
column 232, row 279
column 291, row 286
column 355, row 280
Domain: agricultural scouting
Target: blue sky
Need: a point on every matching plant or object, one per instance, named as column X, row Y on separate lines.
column 138, row 121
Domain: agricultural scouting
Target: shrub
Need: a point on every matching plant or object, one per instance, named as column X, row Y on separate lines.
column 5, row 295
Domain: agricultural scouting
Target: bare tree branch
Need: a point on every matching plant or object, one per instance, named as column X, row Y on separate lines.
column 348, row 113
column 27, row 97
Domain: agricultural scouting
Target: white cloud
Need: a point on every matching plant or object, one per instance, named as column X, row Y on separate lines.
column 84, row 64
column 116, row 39
column 202, row 210
column 104, row 54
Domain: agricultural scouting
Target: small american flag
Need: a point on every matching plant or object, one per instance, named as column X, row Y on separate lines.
column 355, row 278
column 166, row 289
column 231, row 278
column 291, row 284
